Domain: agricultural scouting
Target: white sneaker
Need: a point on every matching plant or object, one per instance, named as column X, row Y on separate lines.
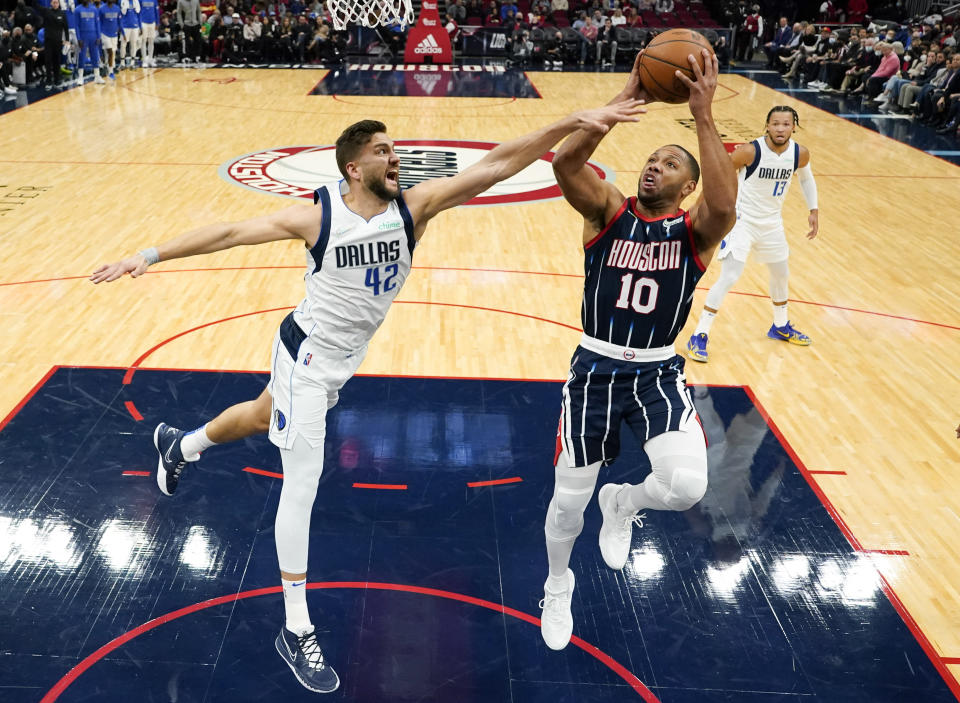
column 10, row 90
column 98, row 79
column 617, row 528
column 556, row 622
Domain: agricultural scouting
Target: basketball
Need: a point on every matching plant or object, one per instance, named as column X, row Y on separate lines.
column 666, row 53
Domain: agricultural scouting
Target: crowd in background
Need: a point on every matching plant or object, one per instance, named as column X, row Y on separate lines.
column 906, row 64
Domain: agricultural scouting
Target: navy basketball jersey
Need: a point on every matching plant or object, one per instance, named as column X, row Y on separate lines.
column 640, row 277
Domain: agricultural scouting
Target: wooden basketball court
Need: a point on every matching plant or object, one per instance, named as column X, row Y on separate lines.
column 870, row 408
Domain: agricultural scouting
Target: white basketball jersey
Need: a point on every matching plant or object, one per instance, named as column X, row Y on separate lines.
column 354, row 272
column 763, row 184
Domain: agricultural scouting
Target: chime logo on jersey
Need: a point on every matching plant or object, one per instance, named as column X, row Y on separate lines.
column 296, row 171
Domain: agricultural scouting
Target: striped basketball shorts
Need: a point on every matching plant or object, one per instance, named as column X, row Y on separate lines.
column 600, row 392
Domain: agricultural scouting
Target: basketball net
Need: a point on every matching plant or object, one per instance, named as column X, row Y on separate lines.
column 370, row 13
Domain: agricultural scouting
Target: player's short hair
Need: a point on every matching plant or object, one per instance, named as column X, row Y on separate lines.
column 784, row 108
column 353, row 139
column 691, row 162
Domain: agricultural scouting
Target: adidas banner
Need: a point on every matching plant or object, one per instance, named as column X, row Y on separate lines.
column 428, row 38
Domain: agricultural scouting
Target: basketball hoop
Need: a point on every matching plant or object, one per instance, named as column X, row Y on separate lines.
column 370, row 13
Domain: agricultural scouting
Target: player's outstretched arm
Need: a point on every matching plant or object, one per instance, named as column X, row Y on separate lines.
column 431, row 197
column 590, row 195
column 715, row 212
column 299, row 221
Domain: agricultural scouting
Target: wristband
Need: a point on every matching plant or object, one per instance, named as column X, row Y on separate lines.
column 150, row 255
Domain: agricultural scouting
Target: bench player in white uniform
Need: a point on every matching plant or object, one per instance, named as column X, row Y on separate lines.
column 359, row 236
column 765, row 167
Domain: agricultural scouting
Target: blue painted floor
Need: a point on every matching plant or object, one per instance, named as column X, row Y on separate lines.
column 753, row 595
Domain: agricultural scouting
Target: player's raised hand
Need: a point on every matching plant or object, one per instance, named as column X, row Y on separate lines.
column 634, row 87
column 704, row 84
column 135, row 265
column 601, row 119
column 814, row 222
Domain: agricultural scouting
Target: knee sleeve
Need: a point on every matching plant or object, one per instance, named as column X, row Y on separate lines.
column 679, row 463
column 730, row 271
column 779, row 277
column 302, row 467
column 572, row 492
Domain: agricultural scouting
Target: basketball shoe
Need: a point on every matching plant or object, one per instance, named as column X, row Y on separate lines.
column 556, row 622
column 788, row 334
column 617, row 528
column 171, row 463
column 697, row 347
column 305, row 659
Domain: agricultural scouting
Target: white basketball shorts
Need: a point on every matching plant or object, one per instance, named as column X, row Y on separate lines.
column 149, row 31
column 108, row 43
column 305, row 387
column 766, row 240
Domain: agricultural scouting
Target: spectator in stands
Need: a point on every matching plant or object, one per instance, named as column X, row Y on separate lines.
column 952, row 119
column 806, row 46
column 868, row 60
column 252, row 31
column 458, row 10
column 933, row 105
column 507, row 6
column 828, row 11
column 521, row 48
column 453, row 29
column 607, row 43
column 781, row 37
column 750, row 32
column 908, row 93
column 856, row 11
column 588, row 39
column 561, row 6
column 493, row 15
column 645, row 5
column 580, row 21
column 918, row 72
column 825, row 51
column 164, row 41
column 26, row 49
column 889, row 66
column 553, row 51
column 832, row 70
column 664, row 7
column 633, row 19
column 617, row 19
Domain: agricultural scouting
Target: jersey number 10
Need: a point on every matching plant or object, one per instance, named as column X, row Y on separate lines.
column 635, row 301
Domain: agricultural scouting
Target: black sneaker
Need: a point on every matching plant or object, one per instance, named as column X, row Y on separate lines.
column 302, row 654
column 171, row 463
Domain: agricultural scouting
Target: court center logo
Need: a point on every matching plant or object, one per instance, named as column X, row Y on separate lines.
column 296, row 171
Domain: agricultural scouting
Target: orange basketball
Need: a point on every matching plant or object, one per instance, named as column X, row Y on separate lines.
column 663, row 56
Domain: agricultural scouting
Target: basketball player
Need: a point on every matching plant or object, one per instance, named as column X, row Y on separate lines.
column 109, row 31
column 359, row 237
column 149, row 19
column 765, row 169
column 88, row 40
column 129, row 32
column 643, row 258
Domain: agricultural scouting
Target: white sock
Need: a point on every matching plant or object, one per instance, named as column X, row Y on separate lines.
column 295, row 605
column 780, row 315
column 556, row 584
column 195, row 442
column 703, row 325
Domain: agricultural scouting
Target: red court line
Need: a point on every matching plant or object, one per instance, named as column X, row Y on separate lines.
column 262, row 472
column 826, row 471
column 383, row 486
column 496, row 482
column 91, row 659
column 892, row 596
column 951, row 660
column 136, row 473
column 888, row 552
column 133, row 367
column 132, row 409
column 531, row 273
